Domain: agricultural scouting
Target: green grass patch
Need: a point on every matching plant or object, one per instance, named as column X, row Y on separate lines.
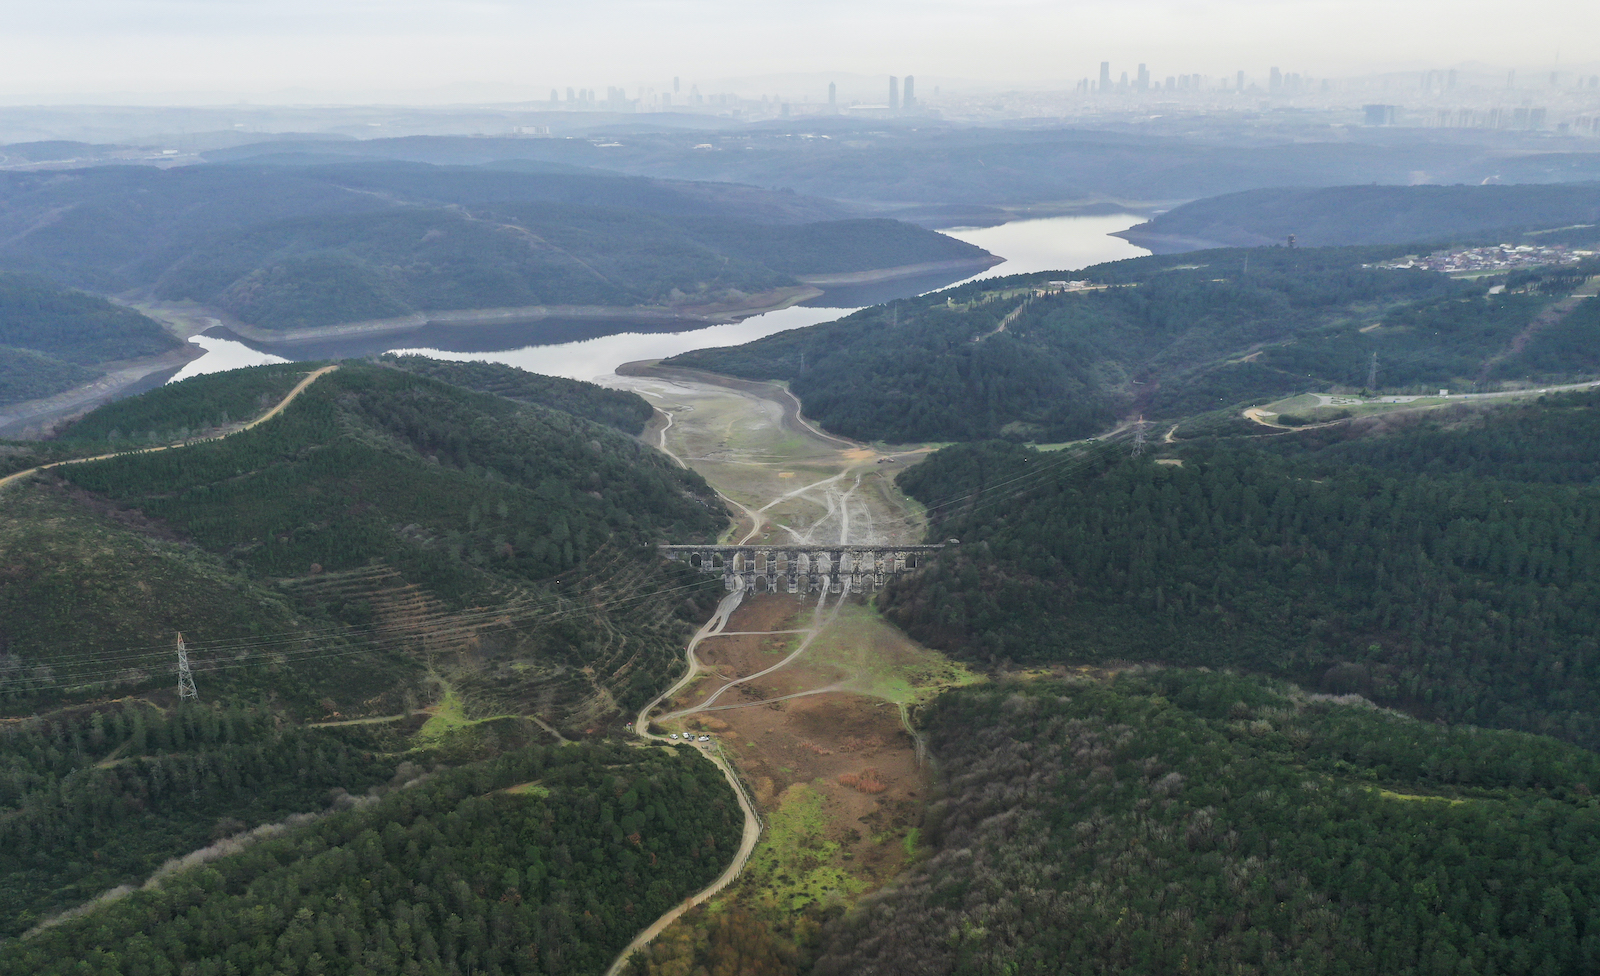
column 1418, row 798
column 796, row 865
column 880, row 661
column 528, row 789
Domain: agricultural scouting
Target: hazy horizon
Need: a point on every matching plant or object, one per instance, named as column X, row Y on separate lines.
column 361, row 51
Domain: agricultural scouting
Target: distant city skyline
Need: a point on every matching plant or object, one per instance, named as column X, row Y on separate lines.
column 355, row 50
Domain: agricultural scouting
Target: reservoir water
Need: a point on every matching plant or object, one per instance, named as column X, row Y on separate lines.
column 592, row 350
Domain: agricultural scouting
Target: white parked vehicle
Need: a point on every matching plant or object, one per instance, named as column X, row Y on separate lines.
column 674, row 735
column 705, row 738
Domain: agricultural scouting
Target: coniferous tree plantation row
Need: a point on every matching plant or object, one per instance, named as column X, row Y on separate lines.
column 356, row 522
column 1167, row 337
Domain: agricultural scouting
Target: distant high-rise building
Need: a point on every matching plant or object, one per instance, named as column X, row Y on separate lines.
column 555, row 96
column 1239, row 82
column 1511, row 78
column 833, row 96
column 1275, row 82
column 1450, row 78
column 909, row 100
column 1105, row 76
column 1378, row 114
column 572, row 96
column 1143, row 84
column 894, row 93
column 674, row 84
column 1122, row 83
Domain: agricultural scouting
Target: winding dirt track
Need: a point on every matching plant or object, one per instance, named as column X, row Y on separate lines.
column 752, row 821
column 299, row 388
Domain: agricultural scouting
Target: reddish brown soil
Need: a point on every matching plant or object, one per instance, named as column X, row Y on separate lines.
column 825, row 740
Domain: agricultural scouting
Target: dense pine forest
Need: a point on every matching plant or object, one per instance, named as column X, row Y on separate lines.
column 541, row 860
column 627, row 412
column 1444, row 564
column 395, row 592
column 360, row 522
column 1178, row 821
column 1168, row 337
column 51, row 338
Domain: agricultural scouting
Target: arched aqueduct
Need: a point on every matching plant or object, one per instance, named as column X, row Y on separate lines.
column 803, row 569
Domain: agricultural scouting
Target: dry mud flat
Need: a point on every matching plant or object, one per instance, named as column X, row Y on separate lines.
column 833, row 768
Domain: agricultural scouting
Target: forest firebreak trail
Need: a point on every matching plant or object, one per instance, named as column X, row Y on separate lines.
column 299, row 388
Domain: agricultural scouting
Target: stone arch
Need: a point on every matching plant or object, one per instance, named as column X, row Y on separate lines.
column 717, row 561
column 696, row 560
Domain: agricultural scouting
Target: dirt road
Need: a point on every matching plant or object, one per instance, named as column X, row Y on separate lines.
column 277, row 409
column 752, row 820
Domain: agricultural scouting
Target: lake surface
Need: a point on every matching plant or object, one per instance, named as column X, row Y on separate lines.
column 591, row 350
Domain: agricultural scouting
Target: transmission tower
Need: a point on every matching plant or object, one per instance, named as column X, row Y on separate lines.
column 1138, row 438
column 186, row 687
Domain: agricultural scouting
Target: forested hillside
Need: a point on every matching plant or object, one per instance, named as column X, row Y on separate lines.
column 1167, row 337
column 627, row 412
column 1446, row 566
column 543, row 860
column 1339, row 215
column 957, row 166
column 285, row 247
column 362, row 521
column 52, row 337
column 1204, row 823
column 390, row 591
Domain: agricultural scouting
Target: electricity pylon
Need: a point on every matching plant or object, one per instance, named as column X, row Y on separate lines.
column 186, row 687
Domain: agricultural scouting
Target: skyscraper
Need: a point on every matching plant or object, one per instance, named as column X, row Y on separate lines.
column 894, row 94
column 1276, row 82
column 833, row 97
column 1105, row 76
column 909, row 102
column 1143, row 84
column 1239, row 82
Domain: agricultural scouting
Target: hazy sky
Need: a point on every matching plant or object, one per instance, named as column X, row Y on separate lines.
column 351, row 47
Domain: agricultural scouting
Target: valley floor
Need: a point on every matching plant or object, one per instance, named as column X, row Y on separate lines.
column 806, row 698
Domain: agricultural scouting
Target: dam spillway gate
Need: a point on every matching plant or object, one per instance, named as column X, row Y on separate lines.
column 803, row 569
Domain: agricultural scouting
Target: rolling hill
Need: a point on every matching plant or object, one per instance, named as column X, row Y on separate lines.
column 1168, row 337
column 284, row 247
column 52, row 338
column 1346, row 215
